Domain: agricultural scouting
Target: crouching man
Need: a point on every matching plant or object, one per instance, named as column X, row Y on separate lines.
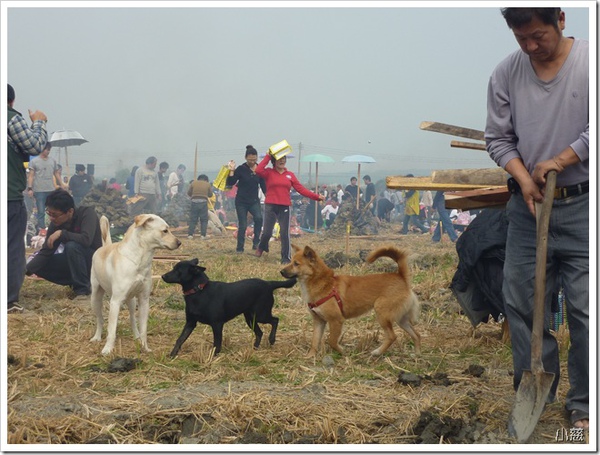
column 72, row 238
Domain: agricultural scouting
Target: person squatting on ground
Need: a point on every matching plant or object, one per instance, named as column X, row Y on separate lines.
column 279, row 181
column 246, row 198
column 199, row 192
column 445, row 223
column 23, row 140
column 73, row 237
column 43, row 171
column 538, row 121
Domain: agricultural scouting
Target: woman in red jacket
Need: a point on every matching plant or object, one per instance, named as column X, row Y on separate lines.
column 279, row 182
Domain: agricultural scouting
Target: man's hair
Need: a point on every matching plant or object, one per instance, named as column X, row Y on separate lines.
column 250, row 150
column 367, row 177
column 164, row 165
column 151, row 159
column 181, row 166
column 353, row 178
column 10, row 93
column 48, row 146
column 60, row 200
column 203, row 177
column 517, row 17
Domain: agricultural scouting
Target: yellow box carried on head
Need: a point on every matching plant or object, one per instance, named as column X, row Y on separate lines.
column 280, row 150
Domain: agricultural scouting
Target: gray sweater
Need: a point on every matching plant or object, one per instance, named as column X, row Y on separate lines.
column 536, row 120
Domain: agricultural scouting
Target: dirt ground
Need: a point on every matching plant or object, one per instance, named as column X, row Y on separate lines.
column 61, row 390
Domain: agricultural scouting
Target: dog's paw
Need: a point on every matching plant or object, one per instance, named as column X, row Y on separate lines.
column 96, row 338
column 376, row 352
column 107, row 350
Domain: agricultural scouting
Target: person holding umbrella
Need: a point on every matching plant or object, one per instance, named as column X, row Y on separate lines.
column 279, row 181
column 23, row 140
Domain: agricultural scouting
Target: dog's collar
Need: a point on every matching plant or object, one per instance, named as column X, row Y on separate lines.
column 333, row 293
column 196, row 288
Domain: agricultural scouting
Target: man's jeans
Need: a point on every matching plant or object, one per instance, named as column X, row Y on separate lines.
column 198, row 210
column 567, row 264
column 242, row 211
column 414, row 219
column 446, row 224
column 72, row 267
column 16, row 228
column 40, row 205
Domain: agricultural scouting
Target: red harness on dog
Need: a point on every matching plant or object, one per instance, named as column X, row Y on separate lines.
column 195, row 289
column 333, row 293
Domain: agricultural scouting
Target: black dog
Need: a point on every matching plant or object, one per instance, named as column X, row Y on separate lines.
column 214, row 302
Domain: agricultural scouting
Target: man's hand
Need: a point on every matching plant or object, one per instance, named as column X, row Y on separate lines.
column 542, row 168
column 531, row 194
column 30, row 193
column 231, row 165
column 37, row 115
column 53, row 238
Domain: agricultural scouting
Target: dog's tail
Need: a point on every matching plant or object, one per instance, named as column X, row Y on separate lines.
column 282, row 284
column 105, row 230
column 400, row 256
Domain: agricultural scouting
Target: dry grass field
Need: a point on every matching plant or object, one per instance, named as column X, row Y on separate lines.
column 61, row 390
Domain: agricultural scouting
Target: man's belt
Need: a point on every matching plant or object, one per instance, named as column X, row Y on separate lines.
column 559, row 193
column 573, row 190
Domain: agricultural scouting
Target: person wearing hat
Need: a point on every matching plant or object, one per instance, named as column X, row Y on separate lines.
column 80, row 184
column 23, row 140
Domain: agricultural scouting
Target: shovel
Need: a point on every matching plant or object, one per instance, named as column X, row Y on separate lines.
column 535, row 383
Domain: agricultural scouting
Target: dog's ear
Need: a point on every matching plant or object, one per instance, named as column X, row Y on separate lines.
column 296, row 248
column 194, row 261
column 198, row 270
column 309, row 253
column 141, row 220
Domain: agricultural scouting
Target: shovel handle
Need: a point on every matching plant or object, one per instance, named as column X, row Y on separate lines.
column 539, row 297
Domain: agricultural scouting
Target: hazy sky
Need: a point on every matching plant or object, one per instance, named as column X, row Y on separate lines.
column 141, row 81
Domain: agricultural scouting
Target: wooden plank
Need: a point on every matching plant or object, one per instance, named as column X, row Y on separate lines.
column 495, row 176
column 424, row 183
column 452, row 130
column 477, row 199
column 468, row 145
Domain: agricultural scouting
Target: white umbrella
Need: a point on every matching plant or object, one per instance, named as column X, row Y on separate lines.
column 358, row 159
column 316, row 158
column 66, row 138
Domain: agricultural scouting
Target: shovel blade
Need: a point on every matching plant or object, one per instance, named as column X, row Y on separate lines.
column 529, row 403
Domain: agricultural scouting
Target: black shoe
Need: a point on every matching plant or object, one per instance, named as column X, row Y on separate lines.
column 239, row 251
column 14, row 307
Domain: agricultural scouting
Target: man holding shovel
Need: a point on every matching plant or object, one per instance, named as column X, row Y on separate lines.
column 538, row 121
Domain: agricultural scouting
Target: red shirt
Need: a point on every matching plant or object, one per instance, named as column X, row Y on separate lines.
column 279, row 185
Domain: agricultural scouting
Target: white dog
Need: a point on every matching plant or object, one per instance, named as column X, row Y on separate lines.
column 124, row 270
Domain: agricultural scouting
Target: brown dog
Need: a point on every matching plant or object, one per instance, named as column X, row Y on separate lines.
column 334, row 298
